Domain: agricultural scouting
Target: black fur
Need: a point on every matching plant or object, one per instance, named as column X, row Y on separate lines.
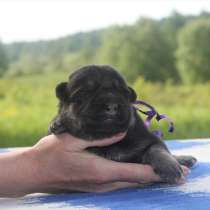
column 96, row 103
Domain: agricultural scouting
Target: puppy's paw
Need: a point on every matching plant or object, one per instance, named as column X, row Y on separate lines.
column 170, row 172
column 188, row 161
column 56, row 127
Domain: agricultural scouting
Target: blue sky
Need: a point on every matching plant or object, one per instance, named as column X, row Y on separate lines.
column 31, row 20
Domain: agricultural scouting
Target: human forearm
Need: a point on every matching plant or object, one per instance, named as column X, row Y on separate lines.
column 19, row 173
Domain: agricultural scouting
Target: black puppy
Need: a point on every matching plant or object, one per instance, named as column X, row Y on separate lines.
column 96, row 103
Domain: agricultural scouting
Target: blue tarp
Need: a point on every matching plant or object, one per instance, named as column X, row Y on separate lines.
column 193, row 195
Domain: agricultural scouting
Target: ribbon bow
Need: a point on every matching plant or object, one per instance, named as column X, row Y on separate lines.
column 151, row 114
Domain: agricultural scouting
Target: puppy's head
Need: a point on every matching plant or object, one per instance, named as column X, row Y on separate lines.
column 95, row 103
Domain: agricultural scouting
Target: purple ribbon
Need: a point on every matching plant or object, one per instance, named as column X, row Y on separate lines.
column 151, row 114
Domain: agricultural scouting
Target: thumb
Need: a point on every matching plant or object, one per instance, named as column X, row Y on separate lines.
column 106, row 141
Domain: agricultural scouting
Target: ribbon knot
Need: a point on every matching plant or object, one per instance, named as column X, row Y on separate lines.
column 151, row 114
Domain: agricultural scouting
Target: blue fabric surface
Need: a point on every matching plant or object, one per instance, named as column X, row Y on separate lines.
column 193, row 195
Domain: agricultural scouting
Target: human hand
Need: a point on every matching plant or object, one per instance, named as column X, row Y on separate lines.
column 65, row 165
column 61, row 163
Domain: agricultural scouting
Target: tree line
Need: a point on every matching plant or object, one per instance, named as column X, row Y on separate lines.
column 174, row 48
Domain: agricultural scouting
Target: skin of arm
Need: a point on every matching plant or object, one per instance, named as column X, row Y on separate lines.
column 61, row 163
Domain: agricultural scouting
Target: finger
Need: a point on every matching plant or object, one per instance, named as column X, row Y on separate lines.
column 115, row 186
column 104, row 187
column 105, row 142
column 128, row 172
column 186, row 170
column 182, row 180
column 76, row 144
column 95, row 188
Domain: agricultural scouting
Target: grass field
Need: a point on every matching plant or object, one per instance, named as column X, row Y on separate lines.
column 27, row 104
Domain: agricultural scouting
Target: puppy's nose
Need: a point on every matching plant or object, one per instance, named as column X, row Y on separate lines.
column 111, row 109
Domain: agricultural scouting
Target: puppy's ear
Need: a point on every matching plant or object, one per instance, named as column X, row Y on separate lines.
column 61, row 91
column 132, row 94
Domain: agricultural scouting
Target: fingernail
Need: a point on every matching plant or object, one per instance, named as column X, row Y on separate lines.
column 188, row 171
column 181, row 180
column 194, row 162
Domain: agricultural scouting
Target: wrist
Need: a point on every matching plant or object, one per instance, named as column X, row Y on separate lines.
column 44, row 179
column 35, row 180
column 21, row 173
column 48, row 171
column 16, row 176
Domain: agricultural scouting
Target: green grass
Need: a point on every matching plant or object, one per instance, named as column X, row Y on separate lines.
column 187, row 105
column 27, row 105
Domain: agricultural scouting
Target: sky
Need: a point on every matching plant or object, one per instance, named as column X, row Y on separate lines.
column 31, row 20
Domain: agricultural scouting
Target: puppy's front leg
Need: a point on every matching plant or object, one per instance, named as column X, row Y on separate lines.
column 163, row 163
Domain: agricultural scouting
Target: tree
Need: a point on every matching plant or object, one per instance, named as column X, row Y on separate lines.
column 155, row 61
column 118, row 49
column 193, row 51
column 139, row 50
column 26, row 64
column 3, row 60
column 171, row 25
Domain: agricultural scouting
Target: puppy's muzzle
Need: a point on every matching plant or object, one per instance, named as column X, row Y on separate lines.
column 111, row 109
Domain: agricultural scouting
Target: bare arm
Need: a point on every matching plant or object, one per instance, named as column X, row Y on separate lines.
column 18, row 173
column 60, row 163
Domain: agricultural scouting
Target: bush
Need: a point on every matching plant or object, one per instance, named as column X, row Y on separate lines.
column 193, row 52
column 28, row 104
